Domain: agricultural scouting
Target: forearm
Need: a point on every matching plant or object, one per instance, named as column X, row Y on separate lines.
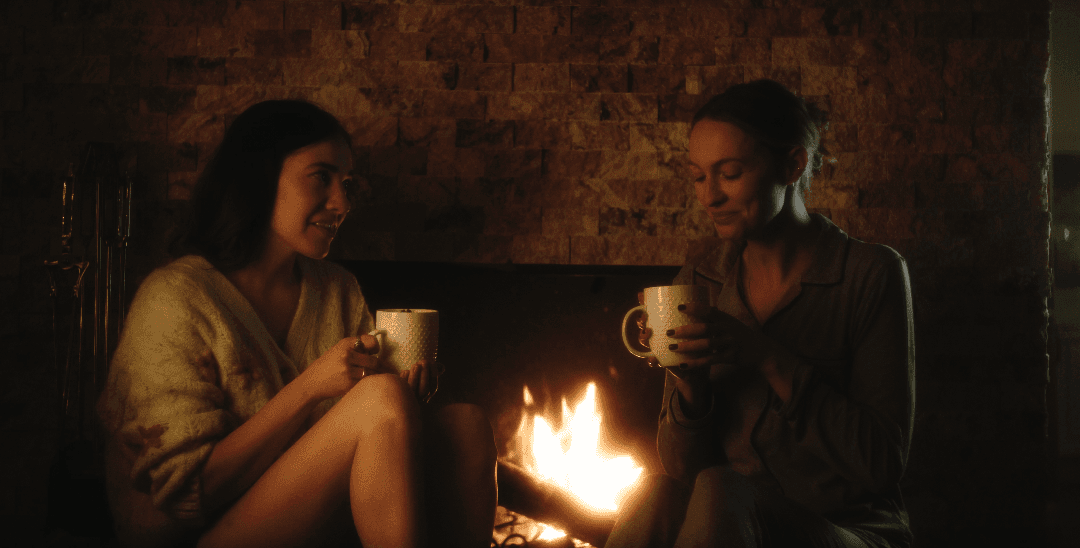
column 686, row 443
column 238, row 460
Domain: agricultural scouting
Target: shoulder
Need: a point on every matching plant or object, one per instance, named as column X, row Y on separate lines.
column 854, row 257
column 183, row 280
column 876, row 268
column 869, row 256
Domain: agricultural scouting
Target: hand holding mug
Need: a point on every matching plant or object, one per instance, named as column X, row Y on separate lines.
column 717, row 341
column 423, row 378
column 659, row 314
column 408, row 343
column 340, row 367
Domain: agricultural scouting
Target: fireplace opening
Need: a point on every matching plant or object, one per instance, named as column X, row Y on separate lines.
column 528, row 341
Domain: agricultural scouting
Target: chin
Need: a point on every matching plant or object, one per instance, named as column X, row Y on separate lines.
column 315, row 252
column 729, row 232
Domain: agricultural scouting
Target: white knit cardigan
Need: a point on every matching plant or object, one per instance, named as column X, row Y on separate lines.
column 195, row 361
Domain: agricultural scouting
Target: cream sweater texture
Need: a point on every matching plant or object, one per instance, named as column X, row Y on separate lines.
column 195, row 361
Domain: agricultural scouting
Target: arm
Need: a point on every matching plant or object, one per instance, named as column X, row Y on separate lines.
column 238, row 460
column 686, row 439
column 687, row 444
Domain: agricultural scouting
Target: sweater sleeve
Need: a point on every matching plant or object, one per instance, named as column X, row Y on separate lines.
column 163, row 400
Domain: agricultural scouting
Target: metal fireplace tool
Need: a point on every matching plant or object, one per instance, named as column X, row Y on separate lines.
column 88, row 289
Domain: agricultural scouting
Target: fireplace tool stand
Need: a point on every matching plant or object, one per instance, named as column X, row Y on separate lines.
column 88, row 290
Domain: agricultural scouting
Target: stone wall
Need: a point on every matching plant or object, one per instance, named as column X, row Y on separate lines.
column 546, row 131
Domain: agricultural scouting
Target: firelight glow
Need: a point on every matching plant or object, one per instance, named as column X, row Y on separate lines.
column 572, row 459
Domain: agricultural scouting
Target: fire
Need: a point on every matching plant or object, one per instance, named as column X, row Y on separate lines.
column 571, row 458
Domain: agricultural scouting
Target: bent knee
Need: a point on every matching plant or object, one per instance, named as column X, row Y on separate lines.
column 382, row 397
column 725, row 486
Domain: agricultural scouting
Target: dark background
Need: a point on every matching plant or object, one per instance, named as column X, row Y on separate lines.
column 553, row 132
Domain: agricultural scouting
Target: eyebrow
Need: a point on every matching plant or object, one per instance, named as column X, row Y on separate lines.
column 331, row 167
column 720, row 162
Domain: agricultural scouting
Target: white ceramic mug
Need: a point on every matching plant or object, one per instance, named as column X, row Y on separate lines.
column 406, row 336
column 662, row 306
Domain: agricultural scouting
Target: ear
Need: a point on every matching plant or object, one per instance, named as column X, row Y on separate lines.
column 796, row 165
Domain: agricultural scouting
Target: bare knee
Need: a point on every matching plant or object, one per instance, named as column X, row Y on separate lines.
column 381, row 400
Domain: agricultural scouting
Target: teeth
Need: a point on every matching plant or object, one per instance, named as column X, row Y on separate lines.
column 331, row 226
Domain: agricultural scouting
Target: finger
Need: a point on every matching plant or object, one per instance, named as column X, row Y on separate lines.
column 696, row 309
column 425, row 378
column 414, row 377
column 360, row 359
column 357, row 372
column 368, row 344
column 714, row 344
column 697, row 330
column 641, row 297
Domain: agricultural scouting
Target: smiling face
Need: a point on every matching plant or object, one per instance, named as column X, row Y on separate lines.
column 734, row 179
column 312, row 198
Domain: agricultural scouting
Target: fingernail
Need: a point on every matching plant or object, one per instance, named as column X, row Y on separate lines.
column 670, row 333
column 682, row 307
column 673, row 347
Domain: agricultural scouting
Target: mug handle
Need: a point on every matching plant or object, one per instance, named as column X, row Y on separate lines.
column 626, row 340
column 375, row 333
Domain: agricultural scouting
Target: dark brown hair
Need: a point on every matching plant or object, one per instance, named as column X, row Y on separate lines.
column 233, row 200
column 774, row 116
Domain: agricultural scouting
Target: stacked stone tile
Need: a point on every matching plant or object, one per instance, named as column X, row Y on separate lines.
column 540, row 131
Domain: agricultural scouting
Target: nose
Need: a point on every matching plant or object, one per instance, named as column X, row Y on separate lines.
column 709, row 192
column 338, row 198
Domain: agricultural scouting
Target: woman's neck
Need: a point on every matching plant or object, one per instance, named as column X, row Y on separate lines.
column 274, row 269
column 785, row 246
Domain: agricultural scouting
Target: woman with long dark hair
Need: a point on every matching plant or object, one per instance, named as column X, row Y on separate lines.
column 244, row 406
column 790, row 420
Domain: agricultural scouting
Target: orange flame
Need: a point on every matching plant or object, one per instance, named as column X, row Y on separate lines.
column 571, row 458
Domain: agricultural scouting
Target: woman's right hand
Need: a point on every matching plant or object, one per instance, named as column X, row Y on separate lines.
column 341, row 367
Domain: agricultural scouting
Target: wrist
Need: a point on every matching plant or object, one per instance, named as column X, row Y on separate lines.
column 695, row 398
column 304, row 391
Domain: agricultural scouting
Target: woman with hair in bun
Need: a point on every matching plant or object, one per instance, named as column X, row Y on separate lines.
column 244, row 406
column 790, row 421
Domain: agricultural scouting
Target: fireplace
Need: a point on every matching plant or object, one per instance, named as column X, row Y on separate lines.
column 549, row 329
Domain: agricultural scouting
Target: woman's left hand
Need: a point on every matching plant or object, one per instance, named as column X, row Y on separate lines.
column 423, row 379
column 719, row 341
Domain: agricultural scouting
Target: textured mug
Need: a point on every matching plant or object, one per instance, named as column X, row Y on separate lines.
column 662, row 306
column 406, row 336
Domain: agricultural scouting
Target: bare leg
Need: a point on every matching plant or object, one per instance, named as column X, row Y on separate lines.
column 365, row 450
column 386, row 489
column 459, row 454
